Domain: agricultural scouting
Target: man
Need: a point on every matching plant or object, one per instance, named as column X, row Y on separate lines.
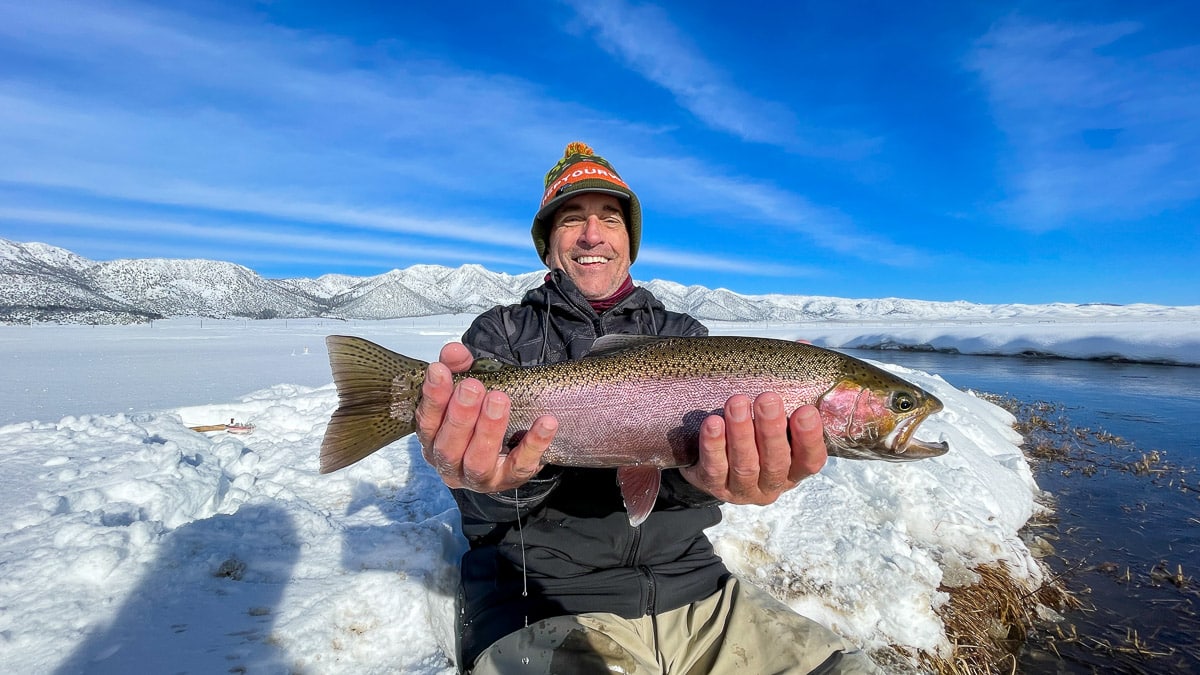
column 556, row 580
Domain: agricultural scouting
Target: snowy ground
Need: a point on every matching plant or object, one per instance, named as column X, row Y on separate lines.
column 129, row 543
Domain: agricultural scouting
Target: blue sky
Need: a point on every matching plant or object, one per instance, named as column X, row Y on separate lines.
column 991, row 152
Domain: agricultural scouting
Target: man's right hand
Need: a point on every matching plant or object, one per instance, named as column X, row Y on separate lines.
column 462, row 429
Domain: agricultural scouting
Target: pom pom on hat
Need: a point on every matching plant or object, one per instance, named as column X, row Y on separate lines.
column 582, row 170
column 577, row 148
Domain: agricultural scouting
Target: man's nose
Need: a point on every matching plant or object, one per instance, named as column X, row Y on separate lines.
column 593, row 232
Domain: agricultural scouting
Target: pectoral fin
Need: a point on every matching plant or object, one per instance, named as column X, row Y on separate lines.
column 639, row 489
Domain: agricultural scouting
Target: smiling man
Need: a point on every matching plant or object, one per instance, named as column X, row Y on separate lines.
column 592, row 222
column 556, row 579
column 589, row 242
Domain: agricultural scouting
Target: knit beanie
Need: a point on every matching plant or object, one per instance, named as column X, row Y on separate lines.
column 579, row 171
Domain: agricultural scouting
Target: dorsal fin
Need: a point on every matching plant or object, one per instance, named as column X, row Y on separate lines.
column 611, row 344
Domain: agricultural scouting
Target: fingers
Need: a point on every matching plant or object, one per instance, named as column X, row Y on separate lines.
column 808, row 443
column 771, row 437
column 468, row 450
column 436, row 391
column 742, row 448
column 472, row 438
column 456, row 357
column 462, row 429
column 710, row 472
column 746, row 456
column 525, row 460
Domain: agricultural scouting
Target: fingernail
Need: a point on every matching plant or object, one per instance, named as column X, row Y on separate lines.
column 546, row 429
column 739, row 411
column 808, row 418
column 468, row 394
column 435, row 376
column 711, row 427
column 493, row 407
column 770, row 408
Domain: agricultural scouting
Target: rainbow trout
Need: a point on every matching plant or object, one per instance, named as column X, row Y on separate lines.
column 636, row 402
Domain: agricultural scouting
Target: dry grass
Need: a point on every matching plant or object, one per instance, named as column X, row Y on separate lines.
column 1051, row 438
column 988, row 621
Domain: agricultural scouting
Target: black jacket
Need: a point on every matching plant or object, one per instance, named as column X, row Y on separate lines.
column 580, row 553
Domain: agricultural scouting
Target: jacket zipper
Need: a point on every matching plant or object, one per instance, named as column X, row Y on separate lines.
column 651, row 588
column 648, row 574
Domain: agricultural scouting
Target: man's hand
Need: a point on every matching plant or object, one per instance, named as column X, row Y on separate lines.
column 745, row 457
column 462, row 429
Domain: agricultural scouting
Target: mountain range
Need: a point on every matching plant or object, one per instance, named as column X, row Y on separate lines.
column 43, row 283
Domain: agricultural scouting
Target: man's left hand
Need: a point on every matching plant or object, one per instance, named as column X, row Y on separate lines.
column 745, row 456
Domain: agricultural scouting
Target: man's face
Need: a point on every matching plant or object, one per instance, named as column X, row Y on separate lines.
column 589, row 241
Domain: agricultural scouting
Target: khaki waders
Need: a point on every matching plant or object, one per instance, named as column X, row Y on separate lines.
column 739, row 630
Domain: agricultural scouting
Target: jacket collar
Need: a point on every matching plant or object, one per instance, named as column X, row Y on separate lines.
column 560, row 292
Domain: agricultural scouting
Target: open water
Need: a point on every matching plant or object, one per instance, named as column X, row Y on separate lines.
column 1127, row 540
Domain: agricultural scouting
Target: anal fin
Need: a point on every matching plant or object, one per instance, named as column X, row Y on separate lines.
column 639, row 488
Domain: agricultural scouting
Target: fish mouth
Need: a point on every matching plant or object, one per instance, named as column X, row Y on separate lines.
column 905, row 448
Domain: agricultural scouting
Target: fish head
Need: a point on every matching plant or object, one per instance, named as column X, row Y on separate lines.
column 873, row 415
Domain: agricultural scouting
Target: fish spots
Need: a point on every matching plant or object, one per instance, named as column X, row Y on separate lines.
column 406, row 392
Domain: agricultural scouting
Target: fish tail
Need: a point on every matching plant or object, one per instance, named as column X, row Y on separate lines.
column 378, row 391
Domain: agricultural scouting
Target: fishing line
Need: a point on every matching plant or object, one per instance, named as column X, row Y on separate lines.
column 524, row 578
column 521, row 536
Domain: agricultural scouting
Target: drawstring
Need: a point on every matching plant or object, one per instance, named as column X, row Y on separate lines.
column 625, row 292
column 545, row 333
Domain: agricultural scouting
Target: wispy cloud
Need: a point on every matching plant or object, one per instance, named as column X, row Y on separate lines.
column 1100, row 127
column 645, row 39
column 289, row 130
column 687, row 183
column 161, row 109
column 237, row 238
column 226, row 103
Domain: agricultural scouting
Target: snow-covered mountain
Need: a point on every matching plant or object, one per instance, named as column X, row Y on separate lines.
column 197, row 287
column 39, row 282
column 422, row 290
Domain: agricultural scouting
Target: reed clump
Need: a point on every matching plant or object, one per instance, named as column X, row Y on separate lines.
column 988, row 621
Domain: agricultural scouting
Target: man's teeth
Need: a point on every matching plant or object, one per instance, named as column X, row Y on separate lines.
column 584, row 260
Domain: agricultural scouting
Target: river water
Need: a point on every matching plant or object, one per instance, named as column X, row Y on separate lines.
column 1127, row 539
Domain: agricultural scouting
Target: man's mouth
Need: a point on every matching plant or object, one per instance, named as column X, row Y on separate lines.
column 591, row 259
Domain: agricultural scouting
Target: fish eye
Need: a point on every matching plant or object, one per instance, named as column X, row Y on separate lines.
column 902, row 402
